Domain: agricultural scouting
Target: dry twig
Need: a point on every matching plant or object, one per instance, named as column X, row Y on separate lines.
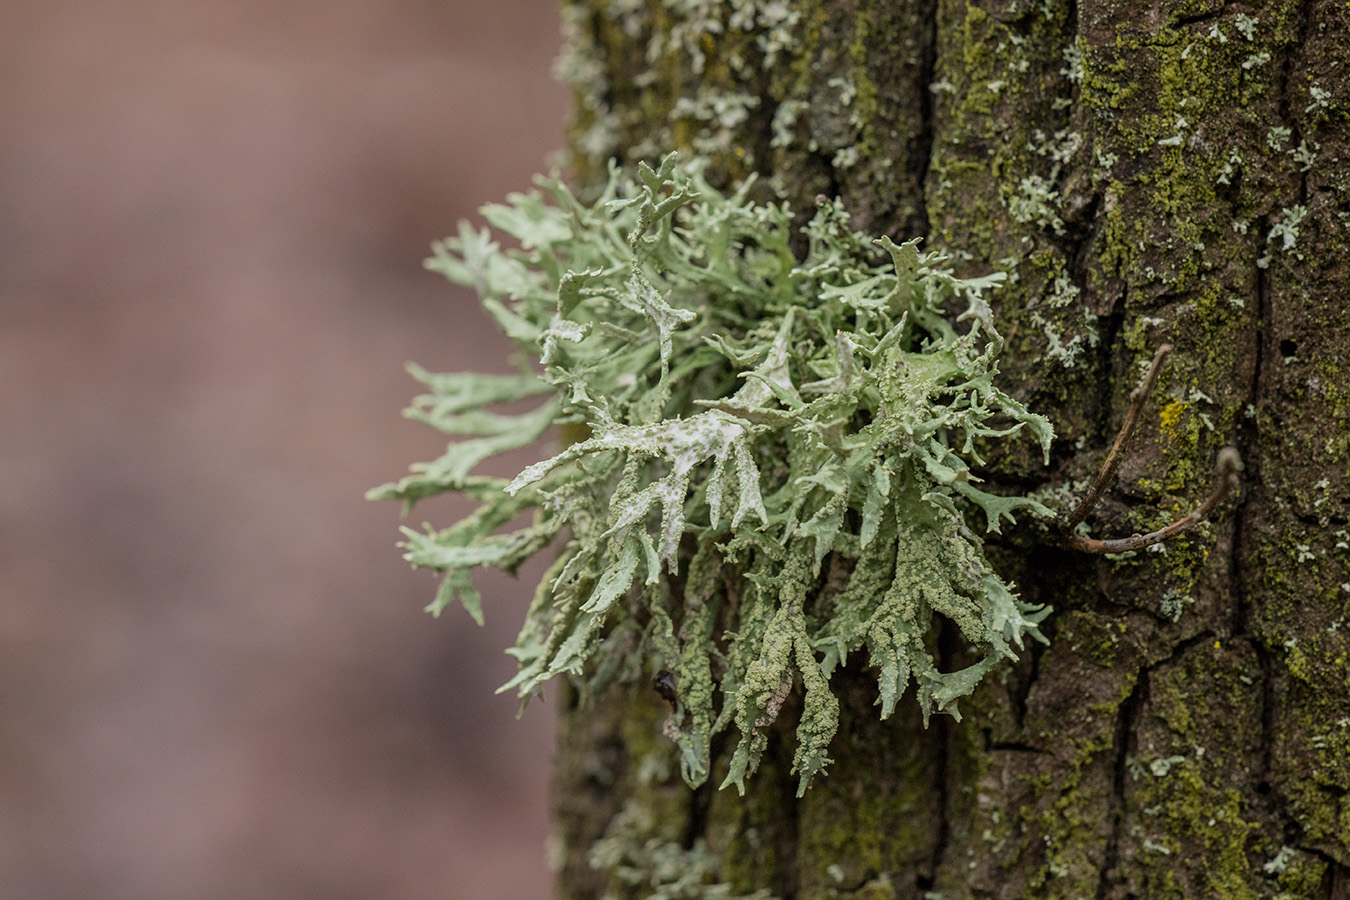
column 1228, row 464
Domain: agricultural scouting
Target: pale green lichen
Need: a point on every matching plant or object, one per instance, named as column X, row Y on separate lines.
column 1174, row 602
column 640, row 861
column 1285, row 230
column 740, row 416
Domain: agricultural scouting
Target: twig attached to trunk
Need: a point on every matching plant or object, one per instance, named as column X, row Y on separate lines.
column 1227, row 466
column 1228, row 463
column 1137, row 398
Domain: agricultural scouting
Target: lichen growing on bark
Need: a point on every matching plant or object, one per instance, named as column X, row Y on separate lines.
column 741, row 416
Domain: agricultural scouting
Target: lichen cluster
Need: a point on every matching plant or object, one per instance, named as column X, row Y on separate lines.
column 640, row 862
column 772, row 438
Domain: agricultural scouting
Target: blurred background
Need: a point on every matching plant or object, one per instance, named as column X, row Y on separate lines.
column 216, row 680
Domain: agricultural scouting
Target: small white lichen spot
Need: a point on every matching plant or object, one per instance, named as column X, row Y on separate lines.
column 1286, row 229
column 1246, row 25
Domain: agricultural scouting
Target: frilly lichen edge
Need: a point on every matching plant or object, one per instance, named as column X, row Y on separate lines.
column 772, row 463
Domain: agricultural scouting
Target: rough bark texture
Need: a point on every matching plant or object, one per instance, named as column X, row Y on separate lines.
column 1148, row 173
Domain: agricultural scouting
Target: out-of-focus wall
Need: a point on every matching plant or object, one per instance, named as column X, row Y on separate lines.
column 216, row 680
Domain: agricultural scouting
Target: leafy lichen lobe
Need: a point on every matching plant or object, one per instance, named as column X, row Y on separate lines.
column 773, row 459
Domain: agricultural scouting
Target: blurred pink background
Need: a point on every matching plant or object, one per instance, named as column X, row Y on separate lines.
column 216, row 680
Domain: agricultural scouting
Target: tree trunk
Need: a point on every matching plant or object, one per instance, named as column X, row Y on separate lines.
column 1146, row 175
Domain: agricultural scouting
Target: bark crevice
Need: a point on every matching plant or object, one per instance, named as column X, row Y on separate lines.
column 1248, row 441
column 1127, row 717
column 1285, row 105
column 923, row 149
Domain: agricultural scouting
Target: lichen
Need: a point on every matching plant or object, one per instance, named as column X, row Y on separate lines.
column 641, row 862
column 742, row 415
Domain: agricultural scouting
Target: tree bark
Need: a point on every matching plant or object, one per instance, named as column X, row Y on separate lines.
column 1147, row 173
